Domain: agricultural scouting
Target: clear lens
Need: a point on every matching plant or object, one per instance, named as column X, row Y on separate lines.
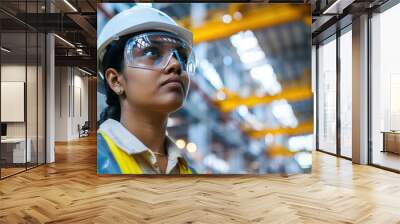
column 154, row 51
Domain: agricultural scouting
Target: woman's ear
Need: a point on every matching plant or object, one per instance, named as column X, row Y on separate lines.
column 111, row 75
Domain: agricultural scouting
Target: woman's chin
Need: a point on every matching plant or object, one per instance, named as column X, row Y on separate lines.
column 171, row 102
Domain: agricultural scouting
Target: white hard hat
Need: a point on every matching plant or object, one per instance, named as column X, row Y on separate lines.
column 137, row 19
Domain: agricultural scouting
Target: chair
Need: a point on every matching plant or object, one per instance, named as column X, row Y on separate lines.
column 84, row 130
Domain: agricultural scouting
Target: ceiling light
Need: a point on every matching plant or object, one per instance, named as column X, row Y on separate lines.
column 216, row 163
column 221, row 95
column 283, row 112
column 191, row 147
column 5, row 50
column 337, row 7
column 247, row 47
column 244, row 40
column 243, row 110
column 65, row 41
column 249, row 117
column 173, row 122
column 70, row 5
column 269, row 139
column 237, row 15
column 265, row 75
column 211, row 74
column 298, row 143
column 84, row 71
column 180, row 143
column 252, row 56
column 227, row 18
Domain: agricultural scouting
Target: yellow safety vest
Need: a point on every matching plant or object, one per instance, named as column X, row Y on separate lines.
column 127, row 163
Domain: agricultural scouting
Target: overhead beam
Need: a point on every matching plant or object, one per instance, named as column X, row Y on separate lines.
column 337, row 7
column 279, row 150
column 291, row 95
column 302, row 128
column 86, row 26
column 64, row 7
column 262, row 16
column 44, row 22
column 81, row 61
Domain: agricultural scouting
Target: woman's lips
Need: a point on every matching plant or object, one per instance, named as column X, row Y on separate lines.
column 174, row 83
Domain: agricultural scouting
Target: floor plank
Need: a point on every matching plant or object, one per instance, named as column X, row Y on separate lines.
column 69, row 191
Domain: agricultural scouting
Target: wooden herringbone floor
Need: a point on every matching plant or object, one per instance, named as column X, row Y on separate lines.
column 69, row 191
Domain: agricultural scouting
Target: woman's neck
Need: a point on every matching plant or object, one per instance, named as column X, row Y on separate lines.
column 149, row 127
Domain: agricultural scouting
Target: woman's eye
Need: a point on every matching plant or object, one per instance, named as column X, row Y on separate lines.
column 151, row 52
column 183, row 55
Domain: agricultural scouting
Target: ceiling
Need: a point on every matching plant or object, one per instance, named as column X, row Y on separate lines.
column 74, row 21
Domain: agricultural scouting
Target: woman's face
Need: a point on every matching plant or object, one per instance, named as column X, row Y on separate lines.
column 163, row 91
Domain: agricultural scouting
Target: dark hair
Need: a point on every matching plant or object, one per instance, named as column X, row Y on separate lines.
column 113, row 58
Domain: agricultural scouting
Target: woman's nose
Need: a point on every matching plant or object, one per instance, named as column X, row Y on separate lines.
column 173, row 65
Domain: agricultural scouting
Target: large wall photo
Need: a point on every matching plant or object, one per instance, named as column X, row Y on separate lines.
column 204, row 88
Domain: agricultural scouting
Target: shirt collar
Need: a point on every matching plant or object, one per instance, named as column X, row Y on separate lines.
column 129, row 143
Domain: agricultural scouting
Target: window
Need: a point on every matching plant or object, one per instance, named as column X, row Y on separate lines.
column 385, row 89
column 346, row 93
column 327, row 96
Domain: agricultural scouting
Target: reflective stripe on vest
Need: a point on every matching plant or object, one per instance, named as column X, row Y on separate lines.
column 183, row 168
column 127, row 163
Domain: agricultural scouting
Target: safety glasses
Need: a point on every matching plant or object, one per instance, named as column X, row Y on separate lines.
column 155, row 50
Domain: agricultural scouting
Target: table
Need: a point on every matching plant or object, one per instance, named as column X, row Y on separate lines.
column 17, row 150
column 391, row 141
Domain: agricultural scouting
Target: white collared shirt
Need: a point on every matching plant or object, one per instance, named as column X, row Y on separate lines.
column 145, row 157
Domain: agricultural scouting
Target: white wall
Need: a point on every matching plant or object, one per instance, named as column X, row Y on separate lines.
column 71, row 93
column 61, row 103
column 80, row 83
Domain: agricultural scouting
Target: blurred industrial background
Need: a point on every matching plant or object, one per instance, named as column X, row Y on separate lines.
column 250, row 107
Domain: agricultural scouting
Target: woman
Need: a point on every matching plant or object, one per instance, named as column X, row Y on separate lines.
column 145, row 59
